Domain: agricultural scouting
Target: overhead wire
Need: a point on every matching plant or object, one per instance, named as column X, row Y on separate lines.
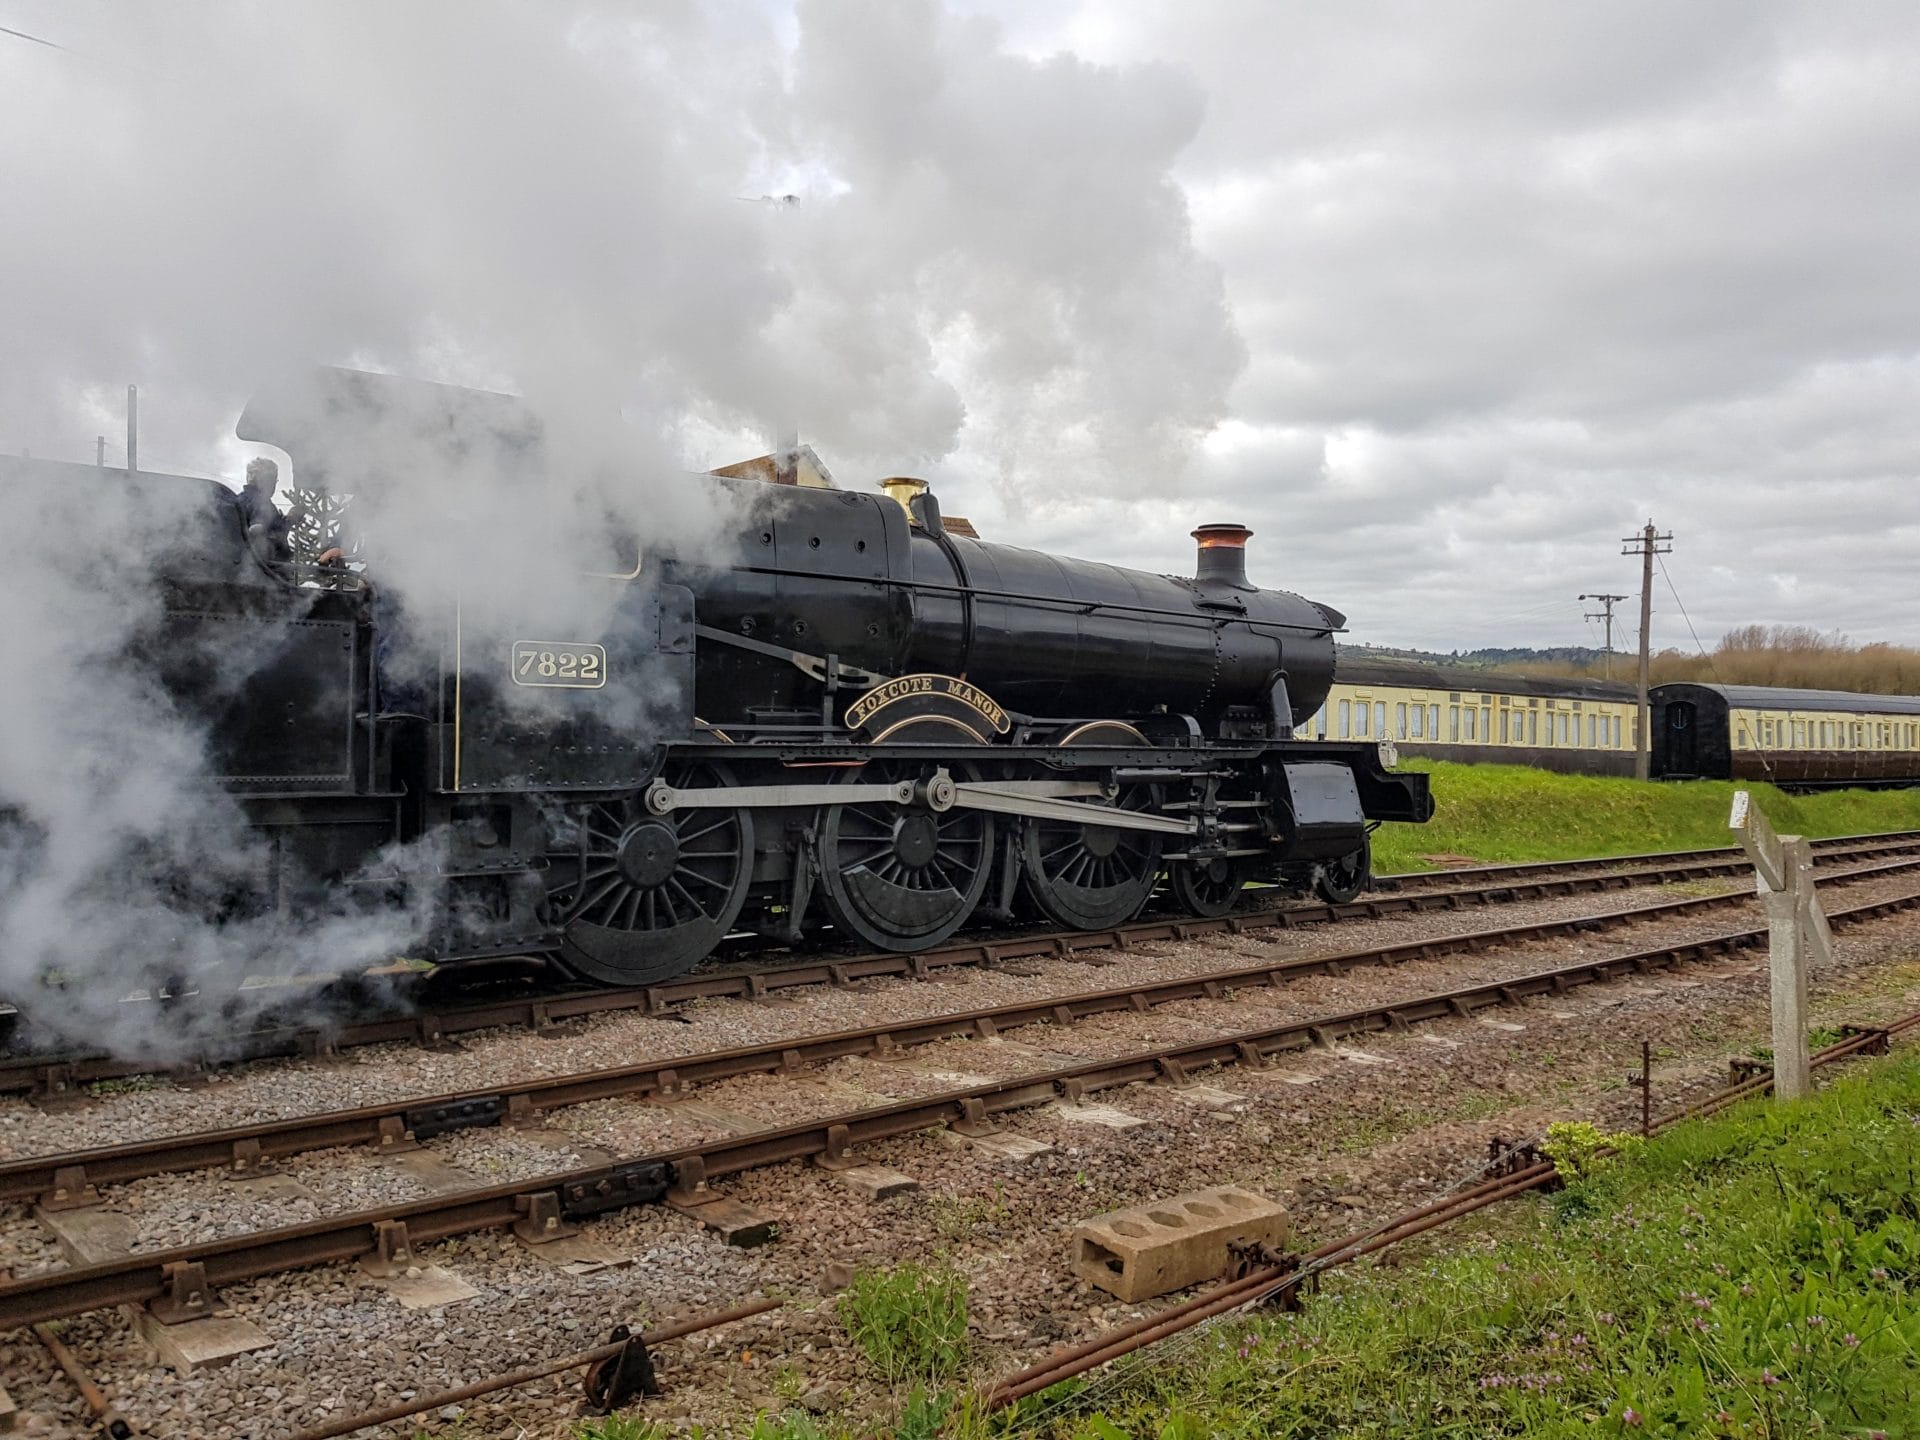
column 1712, row 669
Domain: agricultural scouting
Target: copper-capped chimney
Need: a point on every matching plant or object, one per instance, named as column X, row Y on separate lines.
column 1223, row 555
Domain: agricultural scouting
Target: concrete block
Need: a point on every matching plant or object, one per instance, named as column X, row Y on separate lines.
column 201, row 1344
column 271, row 1186
column 1104, row 1115
column 708, row 1113
column 89, row 1235
column 1004, row 1145
column 431, row 1171
column 578, row 1255
column 1210, row 1097
column 876, row 1182
column 734, row 1222
column 1512, row 1027
column 1154, row 1249
column 1363, row 1057
column 429, row 1288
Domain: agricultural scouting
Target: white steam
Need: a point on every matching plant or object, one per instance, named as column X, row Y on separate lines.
column 988, row 258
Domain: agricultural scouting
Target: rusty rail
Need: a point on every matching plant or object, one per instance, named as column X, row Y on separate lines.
column 512, row 1379
column 65, row 1179
column 138, row 1278
column 57, row 1073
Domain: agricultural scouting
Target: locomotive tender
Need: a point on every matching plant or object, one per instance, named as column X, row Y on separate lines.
column 848, row 718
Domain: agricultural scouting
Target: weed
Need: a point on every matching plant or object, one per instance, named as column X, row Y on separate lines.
column 788, row 1425
column 910, row 1322
column 956, row 1217
column 1575, row 1147
column 621, row 1427
column 130, row 1085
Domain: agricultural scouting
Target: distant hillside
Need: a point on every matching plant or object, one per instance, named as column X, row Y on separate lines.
column 1787, row 655
column 1567, row 659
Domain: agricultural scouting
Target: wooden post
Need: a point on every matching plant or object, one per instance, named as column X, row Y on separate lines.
column 1797, row 937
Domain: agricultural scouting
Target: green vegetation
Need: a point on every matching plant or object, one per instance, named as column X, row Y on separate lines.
column 1748, row 1276
column 1497, row 813
column 910, row 1322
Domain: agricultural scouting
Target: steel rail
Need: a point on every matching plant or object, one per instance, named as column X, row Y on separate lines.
column 512, row 1379
column 60, row 1073
column 1268, row 1281
column 682, row 1173
column 63, row 1178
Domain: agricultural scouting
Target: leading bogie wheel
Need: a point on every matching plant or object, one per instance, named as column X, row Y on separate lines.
column 1339, row 882
column 641, row 897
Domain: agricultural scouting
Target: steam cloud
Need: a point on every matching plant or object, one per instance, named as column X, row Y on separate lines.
column 547, row 200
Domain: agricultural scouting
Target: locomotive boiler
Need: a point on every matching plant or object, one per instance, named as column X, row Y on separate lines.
column 844, row 721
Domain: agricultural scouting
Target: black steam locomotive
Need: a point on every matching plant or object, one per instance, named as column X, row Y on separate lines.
column 849, row 717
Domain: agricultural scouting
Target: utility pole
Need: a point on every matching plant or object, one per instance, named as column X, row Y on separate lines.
column 1647, row 544
column 1605, row 613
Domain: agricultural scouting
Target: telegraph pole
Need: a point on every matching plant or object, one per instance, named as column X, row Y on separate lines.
column 1647, row 544
column 1605, row 613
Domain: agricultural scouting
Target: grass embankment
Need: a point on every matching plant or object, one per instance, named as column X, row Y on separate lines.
column 1750, row 1276
column 1496, row 813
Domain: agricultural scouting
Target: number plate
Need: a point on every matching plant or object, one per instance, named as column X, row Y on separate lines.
column 559, row 664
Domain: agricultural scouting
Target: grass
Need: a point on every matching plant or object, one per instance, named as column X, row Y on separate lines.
column 909, row 1321
column 1510, row 813
column 1749, row 1276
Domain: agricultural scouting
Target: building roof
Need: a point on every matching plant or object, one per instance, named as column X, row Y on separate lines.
column 809, row 470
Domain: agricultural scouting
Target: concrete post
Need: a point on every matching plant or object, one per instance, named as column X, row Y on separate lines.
column 1797, row 937
column 1785, row 926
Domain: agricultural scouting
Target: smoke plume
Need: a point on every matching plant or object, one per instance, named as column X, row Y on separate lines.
column 562, row 202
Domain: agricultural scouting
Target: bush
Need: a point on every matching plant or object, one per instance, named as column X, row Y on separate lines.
column 910, row 1322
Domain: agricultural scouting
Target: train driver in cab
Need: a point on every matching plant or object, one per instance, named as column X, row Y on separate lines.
column 266, row 525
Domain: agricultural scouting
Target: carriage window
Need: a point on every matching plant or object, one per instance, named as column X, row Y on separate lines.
column 1380, row 718
column 1593, row 732
column 1360, row 712
column 1433, row 721
column 1419, row 722
column 1533, row 726
column 1616, row 732
column 1473, row 731
column 1453, row 723
column 1400, row 719
column 1549, row 728
column 1505, row 716
column 1346, row 718
column 1567, row 737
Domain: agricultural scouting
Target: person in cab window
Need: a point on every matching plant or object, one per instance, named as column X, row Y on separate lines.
column 266, row 525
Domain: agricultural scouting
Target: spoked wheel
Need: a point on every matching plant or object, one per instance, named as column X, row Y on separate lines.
column 1089, row 876
column 1208, row 887
column 1339, row 882
column 641, row 897
column 902, row 877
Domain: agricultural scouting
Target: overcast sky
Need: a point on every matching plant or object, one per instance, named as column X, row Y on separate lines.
column 1441, row 299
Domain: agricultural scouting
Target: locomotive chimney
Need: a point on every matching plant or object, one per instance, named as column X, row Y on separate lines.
column 1222, row 559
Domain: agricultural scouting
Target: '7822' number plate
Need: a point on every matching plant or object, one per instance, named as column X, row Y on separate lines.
column 559, row 664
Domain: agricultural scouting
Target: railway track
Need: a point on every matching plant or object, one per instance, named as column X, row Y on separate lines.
column 64, row 1179
column 547, row 1204
column 56, row 1073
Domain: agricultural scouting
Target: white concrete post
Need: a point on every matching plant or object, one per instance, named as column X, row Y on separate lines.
column 1797, row 936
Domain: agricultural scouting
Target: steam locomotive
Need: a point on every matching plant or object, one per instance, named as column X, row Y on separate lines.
column 846, row 720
